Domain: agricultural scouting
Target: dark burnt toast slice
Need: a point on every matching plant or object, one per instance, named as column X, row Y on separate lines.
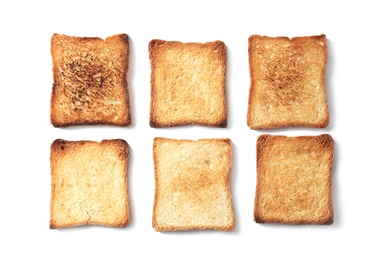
column 90, row 81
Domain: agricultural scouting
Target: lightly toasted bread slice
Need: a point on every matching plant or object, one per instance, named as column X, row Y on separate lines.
column 188, row 83
column 294, row 179
column 90, row 81
column 287, row 82
column 192, row 185
column 89, row 183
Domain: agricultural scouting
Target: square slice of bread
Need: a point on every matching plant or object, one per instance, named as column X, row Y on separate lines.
column 192, row 185
column 90, row 81
column 89, row 183
column 287, row 82
column 188, row 83
column 294, row 179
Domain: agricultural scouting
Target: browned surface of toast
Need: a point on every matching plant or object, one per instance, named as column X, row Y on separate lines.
column 287, row 82
column 188, row 83
column 192, row 185
column 89, row 183
column 90, row 81
column 294, row 179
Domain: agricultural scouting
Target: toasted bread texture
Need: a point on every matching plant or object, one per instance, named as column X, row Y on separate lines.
column 188, row 83
column 90, row 81
column 192, row 185
column 294, row 179
column 287, row 82
column 89, row 183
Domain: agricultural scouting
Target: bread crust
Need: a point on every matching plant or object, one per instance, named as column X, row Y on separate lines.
column 287, row 82
column 189, row 190
column 294, row 180
column 90, row 81
column 185, row 78
column 80, row 191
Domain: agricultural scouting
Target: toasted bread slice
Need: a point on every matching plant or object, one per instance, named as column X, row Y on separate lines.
column 192, row 185
column 90, row 81
column 294, row 179
column 287, row 82
column 89, row 183
column 188, row 83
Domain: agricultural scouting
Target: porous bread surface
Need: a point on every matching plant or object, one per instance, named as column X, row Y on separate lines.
column 188, row 83
column 90, row 81
column 192, row 180
column 287, row 82
column 294, row 179
column 89, row 183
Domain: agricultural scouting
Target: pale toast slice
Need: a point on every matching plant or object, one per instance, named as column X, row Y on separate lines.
column 188, row 83
column 287, row 82
column 90, row 81
column 192, row 185
column 89, row 183
column 294, row 179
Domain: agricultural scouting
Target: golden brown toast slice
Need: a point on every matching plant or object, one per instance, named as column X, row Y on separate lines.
column 90, row 81
column 287, row 82
column 294, row 179
column 89, row 183
column 188, row 83
column 192, row 185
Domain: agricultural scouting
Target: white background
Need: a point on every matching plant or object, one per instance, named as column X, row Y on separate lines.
column 355, row 88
